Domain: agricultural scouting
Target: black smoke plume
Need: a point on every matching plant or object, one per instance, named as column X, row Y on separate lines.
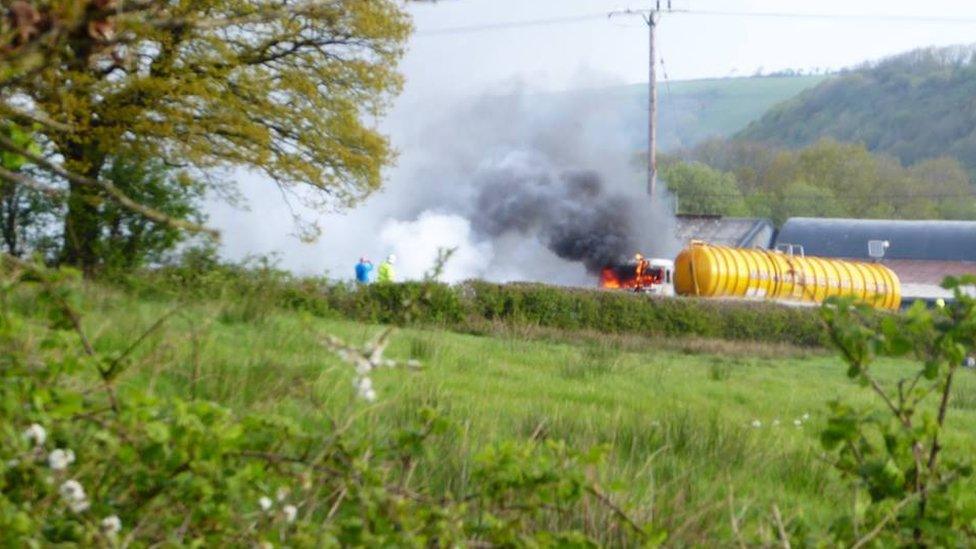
column 571, row 212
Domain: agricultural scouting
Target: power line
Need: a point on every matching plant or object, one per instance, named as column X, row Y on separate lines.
column 834, row 16
column 553, row 21
column 504, row 25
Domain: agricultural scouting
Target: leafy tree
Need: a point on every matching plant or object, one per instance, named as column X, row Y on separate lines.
column 848, row 171
column 836, row 179
column 801, row 199
column 129, row 239
column 23, row 211
column 914, row 106
column 703, row 190
column 946, row 179
column 285, row 88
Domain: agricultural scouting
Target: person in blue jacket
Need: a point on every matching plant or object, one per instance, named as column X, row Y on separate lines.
column 364, row 270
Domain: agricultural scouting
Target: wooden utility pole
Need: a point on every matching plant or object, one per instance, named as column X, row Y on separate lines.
column 651, row 17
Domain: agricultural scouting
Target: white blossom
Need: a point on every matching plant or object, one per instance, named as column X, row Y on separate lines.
column 74, row 495
column 363, row 384
column 282, row 493
column 265, row 503
column 806, row 417
column 776, row 422
column 364, row 388
column 413, row 363
column 111, row 525
column 290, row 512
column 798, row 422
column 59, row 459
column 79, row 505
column 756, row 423
column 71, row 489
column 36, row 434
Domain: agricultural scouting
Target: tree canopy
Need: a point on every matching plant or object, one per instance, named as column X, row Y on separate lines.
column 826, row 179
column 286, row 88
column 915, row 106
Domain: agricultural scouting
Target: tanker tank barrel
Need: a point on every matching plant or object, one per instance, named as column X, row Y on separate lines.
column 706, row 270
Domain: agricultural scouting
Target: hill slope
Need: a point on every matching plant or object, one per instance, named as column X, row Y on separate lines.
column 689, row 111
column 694, row 110
column 915, row 106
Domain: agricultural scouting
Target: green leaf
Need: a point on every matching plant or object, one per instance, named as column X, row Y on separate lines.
column 157, row 432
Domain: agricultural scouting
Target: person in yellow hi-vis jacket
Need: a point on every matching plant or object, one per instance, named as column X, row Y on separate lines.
column 386, row 272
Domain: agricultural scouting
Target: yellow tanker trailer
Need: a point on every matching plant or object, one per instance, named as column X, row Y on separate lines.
column 705, row 270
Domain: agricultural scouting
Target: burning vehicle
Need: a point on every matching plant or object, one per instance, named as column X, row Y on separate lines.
column 705, row 270
column 651, row 276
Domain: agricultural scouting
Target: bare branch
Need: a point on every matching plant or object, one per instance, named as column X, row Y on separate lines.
column 33, row 118
column 108, row 187
column 21, row 179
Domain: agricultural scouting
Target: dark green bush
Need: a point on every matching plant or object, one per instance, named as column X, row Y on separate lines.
column 623, row 312
column 252, row 292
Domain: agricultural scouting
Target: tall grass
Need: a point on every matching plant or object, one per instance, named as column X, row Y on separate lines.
column 677, row 419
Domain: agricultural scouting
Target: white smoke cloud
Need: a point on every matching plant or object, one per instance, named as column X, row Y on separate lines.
column 417, row 243
column 528, row 187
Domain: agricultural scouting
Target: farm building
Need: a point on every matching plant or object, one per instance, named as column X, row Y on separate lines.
column 922, row 253
column 735, row 232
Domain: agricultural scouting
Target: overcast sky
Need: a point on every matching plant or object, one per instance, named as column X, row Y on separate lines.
column 590, row 51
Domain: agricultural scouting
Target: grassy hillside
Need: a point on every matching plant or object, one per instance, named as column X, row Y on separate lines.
column 692, row 111
column 913, row 106
column 689, row 111
column 693, row 434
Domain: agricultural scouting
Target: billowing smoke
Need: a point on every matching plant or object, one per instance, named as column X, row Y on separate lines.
column 416, row 245
column 534, row 187
column 542, row 188
column 570, row 211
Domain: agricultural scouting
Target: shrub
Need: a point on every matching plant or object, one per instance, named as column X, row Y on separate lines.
column 249, row 293
column 893, row 457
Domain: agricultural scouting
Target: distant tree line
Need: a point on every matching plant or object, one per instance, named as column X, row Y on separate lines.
column 915, row 106
column 826, row 179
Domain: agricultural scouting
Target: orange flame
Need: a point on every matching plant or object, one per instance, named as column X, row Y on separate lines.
column 609, row 279
column 631, row 276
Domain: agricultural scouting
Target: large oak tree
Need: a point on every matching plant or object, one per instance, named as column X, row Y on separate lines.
column 284, row 87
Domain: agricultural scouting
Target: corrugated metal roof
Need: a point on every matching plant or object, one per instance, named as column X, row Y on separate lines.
column 736, row 232
column 920, row 240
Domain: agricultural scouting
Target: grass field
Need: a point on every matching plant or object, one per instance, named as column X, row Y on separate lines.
column 694, row 430
column 694, row 110
column 689, row 111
